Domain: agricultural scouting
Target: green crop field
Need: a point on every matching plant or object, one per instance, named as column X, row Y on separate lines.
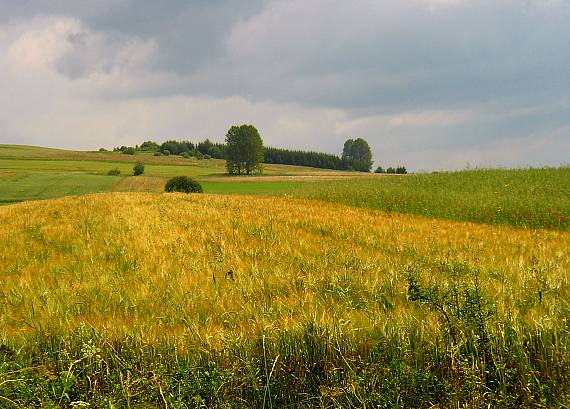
column 296, row 288
column 536, row 198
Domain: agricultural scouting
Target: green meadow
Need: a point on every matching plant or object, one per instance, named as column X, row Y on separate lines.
column 525, row 198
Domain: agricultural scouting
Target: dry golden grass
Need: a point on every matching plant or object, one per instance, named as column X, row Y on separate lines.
column 141, row 184
column 6, row 173
column 154, row 266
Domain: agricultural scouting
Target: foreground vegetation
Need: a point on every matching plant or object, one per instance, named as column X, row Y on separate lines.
column 144, row 300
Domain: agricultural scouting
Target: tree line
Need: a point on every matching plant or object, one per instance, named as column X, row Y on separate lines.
column 205, row 149
column 281, row 156
column 244, row 152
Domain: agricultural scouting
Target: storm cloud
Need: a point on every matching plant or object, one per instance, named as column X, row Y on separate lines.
column 432, row 84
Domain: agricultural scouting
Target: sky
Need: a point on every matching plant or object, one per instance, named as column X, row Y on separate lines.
column 430, row 84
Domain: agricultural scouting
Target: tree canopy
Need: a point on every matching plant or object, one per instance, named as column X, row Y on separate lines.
column 244, row 150
column 357, row 155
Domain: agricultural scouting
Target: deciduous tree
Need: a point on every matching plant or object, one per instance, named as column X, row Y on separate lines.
column 244, row 150
column 357, row 155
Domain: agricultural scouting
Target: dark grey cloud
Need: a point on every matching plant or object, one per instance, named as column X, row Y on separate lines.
column 191, row 33
column 365, row 55
column 404, row 55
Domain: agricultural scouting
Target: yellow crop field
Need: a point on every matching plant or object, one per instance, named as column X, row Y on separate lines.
column 201, row 272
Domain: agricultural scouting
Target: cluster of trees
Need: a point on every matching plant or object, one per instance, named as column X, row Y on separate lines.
column 245, row 152
column 201, row 150
column 400, row 170
column 127, row 150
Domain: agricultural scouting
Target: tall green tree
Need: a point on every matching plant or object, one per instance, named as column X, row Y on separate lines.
column 357, row 155
column 244, row 150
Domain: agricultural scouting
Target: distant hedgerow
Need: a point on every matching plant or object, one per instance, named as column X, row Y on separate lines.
column 183, row 184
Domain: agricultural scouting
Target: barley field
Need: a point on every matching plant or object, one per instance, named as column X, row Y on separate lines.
column 169, row 300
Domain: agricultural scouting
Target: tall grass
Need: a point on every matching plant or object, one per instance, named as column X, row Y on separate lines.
column 124, row 299
column 527, row 198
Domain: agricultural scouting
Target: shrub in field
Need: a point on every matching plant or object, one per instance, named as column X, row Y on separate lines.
column 114, row 172
column 138, row 169
column 166, row 152
column 157, row 154
column 461, row 306
column 129, row 151
column 185, row 155
column 183, row 184
column 379, row 169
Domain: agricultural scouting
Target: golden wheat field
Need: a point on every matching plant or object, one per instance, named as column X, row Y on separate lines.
column 155, row 266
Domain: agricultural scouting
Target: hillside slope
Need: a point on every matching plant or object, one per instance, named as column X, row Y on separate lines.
column 32, row 173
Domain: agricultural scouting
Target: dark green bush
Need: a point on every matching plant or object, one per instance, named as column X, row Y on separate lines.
column 183, row 184
column 138, row 169
column 166, row 152
column 129, row 151
column 157, row 154
column 114, row 172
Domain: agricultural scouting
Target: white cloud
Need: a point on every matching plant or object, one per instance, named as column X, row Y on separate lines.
column 40, row 49
column 95, row 62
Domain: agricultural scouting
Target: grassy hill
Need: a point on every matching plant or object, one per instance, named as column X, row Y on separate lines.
column 32, row 173
column 526, row 198
column 124, row 299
